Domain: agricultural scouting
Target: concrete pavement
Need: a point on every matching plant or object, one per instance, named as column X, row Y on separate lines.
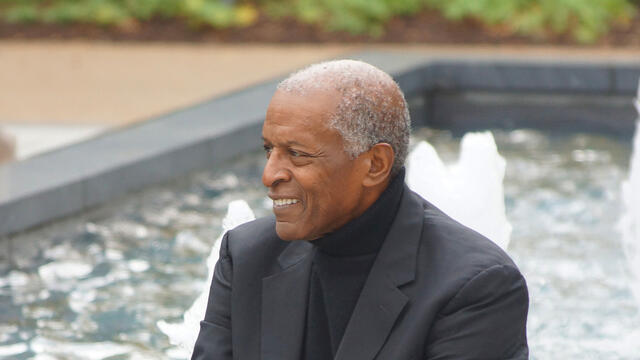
column 55, row 93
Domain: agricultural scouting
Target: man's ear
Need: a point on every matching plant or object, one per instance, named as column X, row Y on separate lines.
column 380, row 157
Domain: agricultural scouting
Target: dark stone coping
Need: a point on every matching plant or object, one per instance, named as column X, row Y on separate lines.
column 460, row 94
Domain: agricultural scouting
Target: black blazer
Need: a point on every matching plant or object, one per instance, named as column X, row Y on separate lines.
column 437, row 290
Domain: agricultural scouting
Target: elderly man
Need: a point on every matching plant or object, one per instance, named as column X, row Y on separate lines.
column 354, row 265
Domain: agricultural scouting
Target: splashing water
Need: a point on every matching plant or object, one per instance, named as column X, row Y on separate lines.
column 562, row 195
column 471, row 190
column 630, row 222
column 630, row 225
column 184, row 334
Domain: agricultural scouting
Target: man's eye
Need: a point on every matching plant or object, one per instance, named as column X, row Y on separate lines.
column 267, row 149
column 295, row 153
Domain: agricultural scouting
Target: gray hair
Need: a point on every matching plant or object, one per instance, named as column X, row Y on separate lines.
column 372, row 108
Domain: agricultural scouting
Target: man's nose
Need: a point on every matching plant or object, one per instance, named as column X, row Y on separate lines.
column 275, row 170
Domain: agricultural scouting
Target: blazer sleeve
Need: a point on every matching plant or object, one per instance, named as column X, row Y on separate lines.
column 486, row 319
column 214, row 339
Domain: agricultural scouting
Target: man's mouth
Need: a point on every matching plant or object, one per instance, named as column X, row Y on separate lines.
column 284, row 202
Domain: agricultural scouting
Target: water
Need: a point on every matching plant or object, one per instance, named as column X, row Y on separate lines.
column 95, row 287
column 630, row 222
column 469, row 190
column 184, row 334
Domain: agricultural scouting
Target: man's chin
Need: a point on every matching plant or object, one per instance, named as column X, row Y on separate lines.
column 289, row 231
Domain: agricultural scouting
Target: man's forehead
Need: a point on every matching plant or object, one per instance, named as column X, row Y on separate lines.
column 295, row 127
column 314, row 108
column 295, row 131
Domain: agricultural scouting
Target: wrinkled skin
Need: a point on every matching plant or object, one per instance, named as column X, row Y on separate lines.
column 306, row 163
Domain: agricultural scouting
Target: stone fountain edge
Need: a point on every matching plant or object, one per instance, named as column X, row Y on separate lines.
column 460, row 94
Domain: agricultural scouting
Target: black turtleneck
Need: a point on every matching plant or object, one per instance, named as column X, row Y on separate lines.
column 341, row 263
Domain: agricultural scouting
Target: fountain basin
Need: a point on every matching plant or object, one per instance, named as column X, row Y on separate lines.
column 461, row 95
column 98, row 283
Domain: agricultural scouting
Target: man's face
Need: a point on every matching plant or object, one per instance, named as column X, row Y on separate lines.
column 315, row 186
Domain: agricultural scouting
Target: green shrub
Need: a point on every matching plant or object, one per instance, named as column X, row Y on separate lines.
column 24, row 13
column 216, row 13
column 584, row 20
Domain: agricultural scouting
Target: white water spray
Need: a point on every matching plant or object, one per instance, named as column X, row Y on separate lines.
column 630, row 222
column 471, row 190
column 184, row 334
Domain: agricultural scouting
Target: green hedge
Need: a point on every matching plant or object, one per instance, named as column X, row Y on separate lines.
column 216, row 13
column 584, row 20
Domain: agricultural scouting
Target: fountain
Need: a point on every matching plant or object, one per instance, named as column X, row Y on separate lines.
column 630, row 222
column 561, row 192
column 478, row 204
column 562, row 195
column 470, row 191
column 630, row 225
column 184, row 334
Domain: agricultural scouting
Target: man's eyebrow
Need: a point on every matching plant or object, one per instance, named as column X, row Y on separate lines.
column 288, row 143
column 293, row 142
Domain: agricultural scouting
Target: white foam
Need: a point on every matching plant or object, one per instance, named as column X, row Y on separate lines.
column 184, row 334
column 138, row 265
column 637, row 100
column 177, row 352
column 630, row 221
column 13, row 349
column 114, row 275
column 61, row 270
column 6, row 332
column 114, row 255
column 88, row 351
column 44, row 357
column 18, row 279
column 80, row 298
column 470, row 190
column 63, row 275
column 187, row 240
column 61, row 251
column 130, row 229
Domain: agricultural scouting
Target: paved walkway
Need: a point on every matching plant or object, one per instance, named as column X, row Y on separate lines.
column 53, row 93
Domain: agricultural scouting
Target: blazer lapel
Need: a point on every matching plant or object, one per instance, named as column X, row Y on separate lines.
column 284, row 304
column 381, row 302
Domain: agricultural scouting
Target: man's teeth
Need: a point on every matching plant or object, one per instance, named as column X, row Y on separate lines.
column 282, row 202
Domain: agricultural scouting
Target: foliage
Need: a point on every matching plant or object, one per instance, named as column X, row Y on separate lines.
column 216, row 13
column 354, row 16
column 584, row 20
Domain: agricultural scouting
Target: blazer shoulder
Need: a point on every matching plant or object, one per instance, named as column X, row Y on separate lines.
column 254, row 237
column 458, row 244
